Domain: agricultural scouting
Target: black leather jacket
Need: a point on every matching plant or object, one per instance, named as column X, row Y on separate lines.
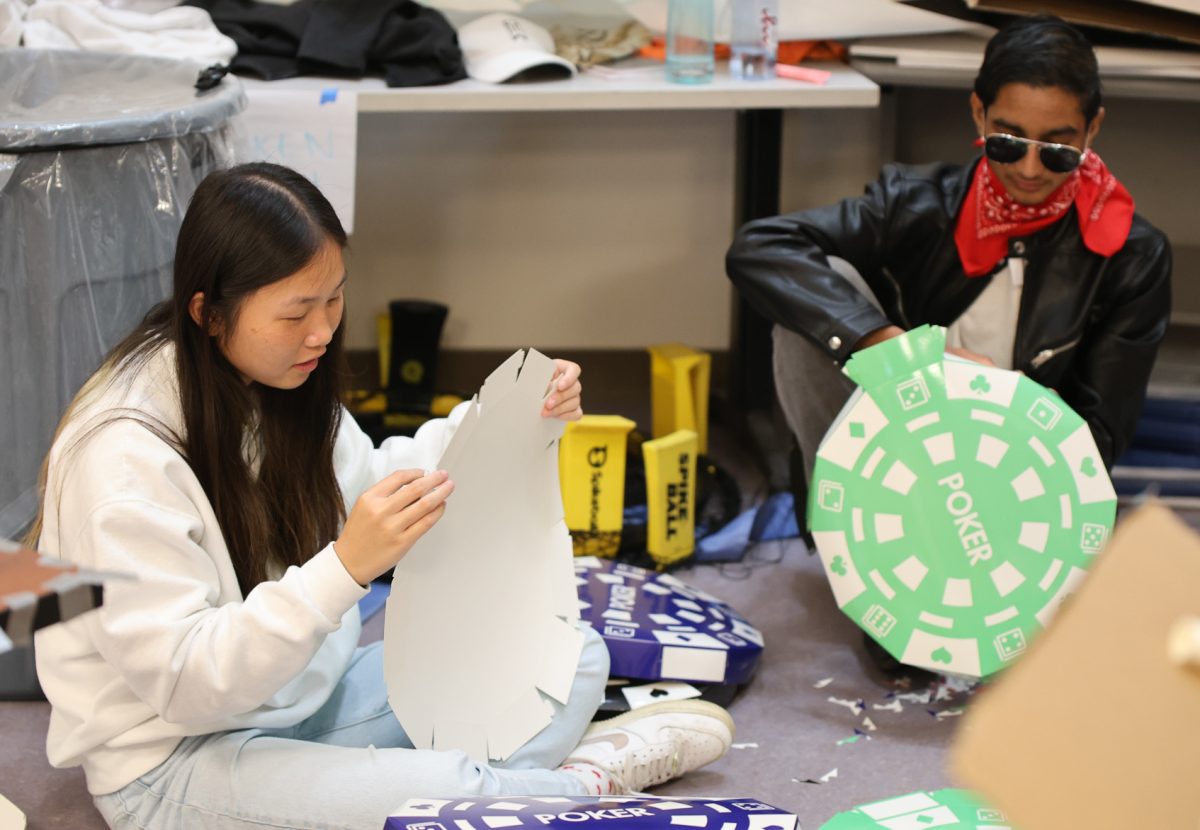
column 1089, row 326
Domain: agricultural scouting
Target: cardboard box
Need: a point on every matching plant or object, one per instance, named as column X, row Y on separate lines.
column 1095, row 726
column 546, row 813
column 591, row 470
column 658, row 628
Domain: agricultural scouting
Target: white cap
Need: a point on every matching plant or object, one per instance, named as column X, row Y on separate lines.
column 498, row 46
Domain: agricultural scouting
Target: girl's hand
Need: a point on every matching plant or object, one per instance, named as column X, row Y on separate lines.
column 565, row 401
column 388, row 519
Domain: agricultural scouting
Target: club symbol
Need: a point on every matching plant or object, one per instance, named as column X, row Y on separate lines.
column 1088, row 467
column 838, row 566
column 980, row 385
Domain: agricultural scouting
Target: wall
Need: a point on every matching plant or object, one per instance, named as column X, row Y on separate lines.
column 592, row 230
column 607, row 230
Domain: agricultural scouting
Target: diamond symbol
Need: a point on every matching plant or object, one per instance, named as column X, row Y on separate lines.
column 857, row 430
column 926, row 819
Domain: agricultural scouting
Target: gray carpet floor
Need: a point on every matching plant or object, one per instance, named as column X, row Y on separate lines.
column 789, row 733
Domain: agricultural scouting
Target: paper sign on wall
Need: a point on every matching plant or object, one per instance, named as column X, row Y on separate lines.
column 312, row 131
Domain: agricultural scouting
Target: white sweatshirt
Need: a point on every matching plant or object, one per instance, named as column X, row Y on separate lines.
column 180, row 651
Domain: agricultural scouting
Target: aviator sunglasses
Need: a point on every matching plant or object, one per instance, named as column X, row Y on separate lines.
column 1003, row 148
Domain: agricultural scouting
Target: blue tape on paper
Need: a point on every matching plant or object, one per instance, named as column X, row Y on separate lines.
column 515, row 812
column 658, row 628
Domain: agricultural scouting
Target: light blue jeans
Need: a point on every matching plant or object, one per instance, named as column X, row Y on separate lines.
column 347, row 766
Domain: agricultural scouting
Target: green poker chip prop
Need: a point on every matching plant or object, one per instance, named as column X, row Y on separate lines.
column 947, row 808
column 954, row 505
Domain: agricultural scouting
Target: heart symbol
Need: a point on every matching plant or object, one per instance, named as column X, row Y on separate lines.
column 838, row 566
column 980, row 385
column 1088, row 467
column 941, row 656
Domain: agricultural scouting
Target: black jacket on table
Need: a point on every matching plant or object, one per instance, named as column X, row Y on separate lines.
column 1088, row 326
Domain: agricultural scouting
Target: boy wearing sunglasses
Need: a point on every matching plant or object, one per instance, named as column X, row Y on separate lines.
column 1031, row 255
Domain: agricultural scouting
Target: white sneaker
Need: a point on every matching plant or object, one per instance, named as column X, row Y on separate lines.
column 656, row 743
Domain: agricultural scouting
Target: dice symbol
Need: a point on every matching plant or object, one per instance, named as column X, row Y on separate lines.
column 830, row 496
column 913, row 393
column 1044, row 413
column 878, row 620
column 1010, row 644
column 1093, row 537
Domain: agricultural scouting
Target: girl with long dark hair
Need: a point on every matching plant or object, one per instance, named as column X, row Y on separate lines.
column 210, row 457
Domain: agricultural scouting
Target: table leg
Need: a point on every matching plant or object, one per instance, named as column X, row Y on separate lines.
column 759, row 144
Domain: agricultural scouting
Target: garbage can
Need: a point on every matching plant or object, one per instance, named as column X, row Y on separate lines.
column 99, row 155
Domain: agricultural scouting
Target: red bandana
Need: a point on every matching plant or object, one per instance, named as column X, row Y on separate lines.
column 989, row 216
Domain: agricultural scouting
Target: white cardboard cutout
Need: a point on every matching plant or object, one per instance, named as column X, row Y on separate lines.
column 482, row 609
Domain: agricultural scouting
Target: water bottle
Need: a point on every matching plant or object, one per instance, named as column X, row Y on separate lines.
column 753, row 39
column 690, row 29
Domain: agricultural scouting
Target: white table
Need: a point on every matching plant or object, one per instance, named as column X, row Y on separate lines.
column 637, row 91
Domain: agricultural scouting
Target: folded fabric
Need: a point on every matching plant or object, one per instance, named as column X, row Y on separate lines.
column 729, row 543
column 12, row 21
column 143, row 6
column 774, row 519
column 590, row 46
column 409, row 44
column 183, row 33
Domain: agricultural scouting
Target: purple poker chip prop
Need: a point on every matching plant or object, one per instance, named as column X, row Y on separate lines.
column 659, row 628
column 582, row 811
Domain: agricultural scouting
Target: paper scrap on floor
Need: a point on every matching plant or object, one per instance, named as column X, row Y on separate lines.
column 480, row 622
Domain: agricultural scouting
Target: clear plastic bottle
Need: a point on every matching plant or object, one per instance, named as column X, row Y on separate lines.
column 754, row 39
column 690, row 31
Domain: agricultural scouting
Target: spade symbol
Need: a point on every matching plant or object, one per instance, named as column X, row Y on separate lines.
column 941, row 656
column 659, row 693
column 980, row 385
column 1088, row 466
column 838, row 566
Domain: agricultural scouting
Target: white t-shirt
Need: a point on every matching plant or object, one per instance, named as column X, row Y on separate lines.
column 989, row 326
